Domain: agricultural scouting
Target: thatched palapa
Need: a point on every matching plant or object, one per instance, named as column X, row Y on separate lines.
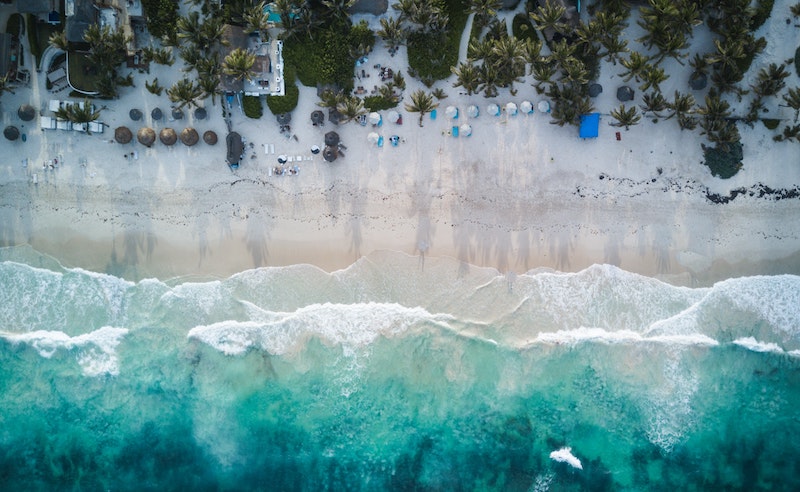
column 168, row 136
column 26, row 112
column 189, row 136
column 210, row 137
column 123, row 135
column 146, row 136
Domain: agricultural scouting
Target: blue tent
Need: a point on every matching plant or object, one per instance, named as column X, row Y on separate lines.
column 590, row 124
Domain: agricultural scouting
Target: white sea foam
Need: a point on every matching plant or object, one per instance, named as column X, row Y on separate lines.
column 776, row 299
column 95, row 351
column 621, row 337
column 751, row 343
column 565, row 455
column 350, row 325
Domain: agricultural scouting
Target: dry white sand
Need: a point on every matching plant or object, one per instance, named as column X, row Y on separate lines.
column 518, row 194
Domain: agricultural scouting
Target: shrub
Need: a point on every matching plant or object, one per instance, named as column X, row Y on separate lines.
column 797, row 61
column 770, row 123
column 379, row 103
column 162, row 16
column 432, row 54
column 252, row 107
column 723, row 164
column 762, row 13
column 287, row 102
column 14, row 24
column 33, row 39
column 522, row 28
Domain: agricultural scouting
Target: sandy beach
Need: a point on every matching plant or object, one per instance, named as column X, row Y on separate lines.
column 518, row 194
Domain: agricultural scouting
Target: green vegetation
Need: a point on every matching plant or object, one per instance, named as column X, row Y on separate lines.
column 379, row 103
column 723, row 163
column 14, row 24
column 770, row 123
column 287, row 102
column 433, row 50
column 522, row 28
column 762, row 13
column 162, row 17
column 797, row 61
column 252, row 107
column 33, row 40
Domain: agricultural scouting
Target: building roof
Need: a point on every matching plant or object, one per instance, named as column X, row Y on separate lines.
column 5, row 53
column 590, row 125
column 236, row 38
column 80, row 15
column 235, row 148
column 34, row 7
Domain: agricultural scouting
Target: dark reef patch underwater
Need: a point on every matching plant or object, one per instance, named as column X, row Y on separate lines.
column 390, row 376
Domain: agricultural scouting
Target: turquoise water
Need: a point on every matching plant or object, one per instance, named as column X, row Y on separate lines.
column 396, row 375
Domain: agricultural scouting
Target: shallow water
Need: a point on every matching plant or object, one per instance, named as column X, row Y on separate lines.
column 396, row 375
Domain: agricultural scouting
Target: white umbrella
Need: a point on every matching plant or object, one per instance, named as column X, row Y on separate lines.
column 493, row 109
column 451, row 112
column 543, row 106
column 472, row 111
column 526, row 107
column 373, row 137
column 374, row 118
column 466, row 130
column 393, row 116
column 511, row 109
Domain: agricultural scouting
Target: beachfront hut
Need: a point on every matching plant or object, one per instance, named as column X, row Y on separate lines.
column 168, row 136
column 317, row 118
column 123, row 135
column 373, row 137
column 595, row 90
column 331, row 139
column 189, row 136
column 374, row 118
column 330, row 153
column 590, row 125
column 284, row 118
column 135, row 114
column 625, row 94
column 210, row 137
column 451, row 112
column 146, row 136
column 11, row 133
column 26, row 112
column 493, row 109
column 235, row 149
column 543, row 106
column 473, row 111
column 511, row 109
column 526, row 107
column 177, row 114
column 466, row 130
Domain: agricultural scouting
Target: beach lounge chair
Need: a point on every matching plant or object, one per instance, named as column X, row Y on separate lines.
column 433, row 114
column 454, row 131
column 380, row 141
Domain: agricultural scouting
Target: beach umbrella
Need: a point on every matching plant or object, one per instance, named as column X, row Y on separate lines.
column 168, row 136
column 334, row 116
column 177, row 114
column 595, row 90
column 284, row 118
column 315, row 149
column 189, row 136
column 26, row 112
column 511, row 109
column 543, row 106
column 472, row 111
column 625, row 93
column 698, row 81
column 210, row 137
column 11, row 132
column 331, row 139
column 330, row 154
column 493, row 109
column 466, row 130
column 451, row 112
column 282, row 159
column 146, row 136
column 317, row 117
column 135, row 114
column 156, row 114
column 374, row 118
column 373, row 137
column 393, row 116
column 123, row 135
column 200, row 113
column 526, row 107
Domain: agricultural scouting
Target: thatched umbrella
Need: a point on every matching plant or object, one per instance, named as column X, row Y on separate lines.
column 156, row 114
column 331, row 139
column 284, row 118
column 317, row 117
column 625, row 93
column 146, row 136
column 26, row 112
column 334, row 116
column 135, row 114
column 168, row 136
column 595, row 90
column 189, row 136
column 210, row 137
column 177, row 113
column 11, row 132
column 200, row 113
column 698, row 81
column 123, row 135
column 330, row 153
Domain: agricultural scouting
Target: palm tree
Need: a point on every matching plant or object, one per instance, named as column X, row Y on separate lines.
column 257, row 20
column 154, row 87
column 184, row 92
column 489, row 80
column 59, row 41
column 548, row 17
column 79, row 113
column 209, row 84
column 543, row 73
column 626, row 117
column 652, row 78
column 189, row 28
column 792, row 99
column 654, row 102
column 5, row 85
column 239, row 64
column 636, row 65
column 422, row 103
column 508, row 59
column 484, row 10
column 727, row 55
column 770, row 80
column 439, row 93
column 339, row 9
column 681, row 105
column 614, row 45
column 575, row 72
column 715, row 107
column 392, row 32
column 331, row 99
column 351, row 108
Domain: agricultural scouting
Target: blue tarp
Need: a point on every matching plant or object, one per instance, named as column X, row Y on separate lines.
column 590, row 125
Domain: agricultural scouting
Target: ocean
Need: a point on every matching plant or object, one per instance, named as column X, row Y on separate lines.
column 398, row 373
